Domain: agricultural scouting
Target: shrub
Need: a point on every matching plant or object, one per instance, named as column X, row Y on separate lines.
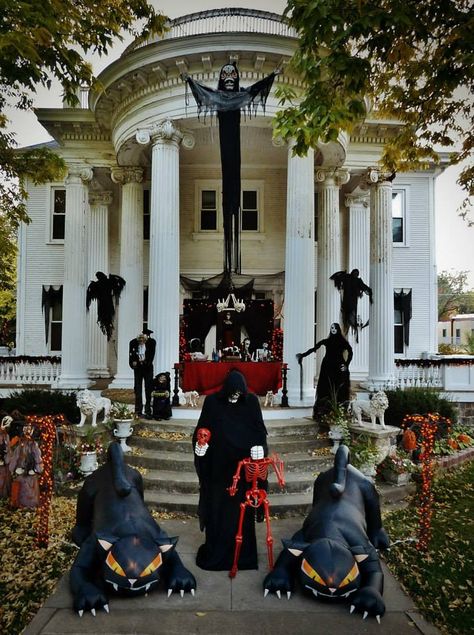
column 43, row 402
column 417, row 401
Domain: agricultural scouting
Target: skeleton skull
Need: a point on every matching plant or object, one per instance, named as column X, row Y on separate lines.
column 229, row 77
column 234, row 397
column 203, row 436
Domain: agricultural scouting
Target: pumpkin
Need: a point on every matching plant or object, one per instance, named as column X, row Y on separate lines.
column 409, row 440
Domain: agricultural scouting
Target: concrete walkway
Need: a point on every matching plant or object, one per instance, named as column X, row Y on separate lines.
column 227, row 607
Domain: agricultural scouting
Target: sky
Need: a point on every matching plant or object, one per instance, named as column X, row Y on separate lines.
column 454, row 239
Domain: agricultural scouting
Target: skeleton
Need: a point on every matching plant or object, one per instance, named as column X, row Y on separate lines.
column 255, row 469
column 202, row 442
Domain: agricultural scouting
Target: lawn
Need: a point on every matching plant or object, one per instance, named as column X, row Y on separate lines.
column 439, row 581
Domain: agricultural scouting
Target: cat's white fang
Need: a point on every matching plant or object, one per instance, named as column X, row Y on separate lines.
column 115, row 586
column 377, row 617
column 106, row 608
column 365, row 615
column 182, row 593
column 147, row 587
column 170, row 591
column 80, row 612
column 193, row 592
column 93, row 612
column 279, row 594
column 288, row 595
column 266, row 592
column 352, row 609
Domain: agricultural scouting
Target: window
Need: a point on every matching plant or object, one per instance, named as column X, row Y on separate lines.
column 56, row 322
column 249, row 210
column 146, row 214
column 458, row 336
column 58, row 207
column 208, row 213
column 445, row 332
column 145, row 308
column 398, row 217
column 316, row 214
column 399, row 331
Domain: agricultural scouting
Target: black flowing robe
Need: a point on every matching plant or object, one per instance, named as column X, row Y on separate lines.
column 235, row 428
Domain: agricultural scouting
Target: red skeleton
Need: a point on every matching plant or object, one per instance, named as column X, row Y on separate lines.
column 255, row 469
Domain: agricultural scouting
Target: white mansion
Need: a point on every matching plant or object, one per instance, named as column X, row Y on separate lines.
column 142, row 199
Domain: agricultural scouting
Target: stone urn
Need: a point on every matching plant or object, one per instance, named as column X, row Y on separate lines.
column 88, row 462
column 122, row 431
column 336, row 435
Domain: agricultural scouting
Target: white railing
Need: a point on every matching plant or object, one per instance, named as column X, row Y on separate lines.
column 20, row 371
column 225, row 20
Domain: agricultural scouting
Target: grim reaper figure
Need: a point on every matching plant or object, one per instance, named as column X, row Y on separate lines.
column 227, row 101
column 106, row 291
column 352, row 287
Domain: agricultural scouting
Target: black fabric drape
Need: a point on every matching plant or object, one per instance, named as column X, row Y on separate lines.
column 402, row 303
column 199, row 316
column 257, row 319
column 50, row 295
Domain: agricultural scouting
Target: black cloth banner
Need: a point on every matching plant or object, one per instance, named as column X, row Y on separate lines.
column 51, row 294
column 402, row 303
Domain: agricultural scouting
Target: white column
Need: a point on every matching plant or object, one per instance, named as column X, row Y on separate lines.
column 130, row 310
column 163, row 282
column 299, row 277
column 98, row 242
column 359, row 258
column 381, row 355
column 74, row 331
column 328, row 306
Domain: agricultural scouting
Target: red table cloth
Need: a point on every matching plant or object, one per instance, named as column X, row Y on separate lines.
column 208, row 377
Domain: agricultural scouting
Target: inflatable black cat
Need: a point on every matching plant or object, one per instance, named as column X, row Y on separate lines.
column 122, row 548
column 335, row 551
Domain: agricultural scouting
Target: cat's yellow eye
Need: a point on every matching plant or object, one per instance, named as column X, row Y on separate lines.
column 311, row 573
column 351, row 576
column 114, row 565
column 153, row 566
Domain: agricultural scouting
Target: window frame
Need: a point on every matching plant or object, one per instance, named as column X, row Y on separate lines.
column 403, row 190
column 52, row 322
column 51, row 213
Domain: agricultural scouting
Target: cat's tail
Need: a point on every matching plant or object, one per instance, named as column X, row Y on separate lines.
column 340, row 471
column 121, row 483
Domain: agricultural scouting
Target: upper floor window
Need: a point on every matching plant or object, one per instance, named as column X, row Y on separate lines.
column 208, row 210
column 146, row 214
column 249, row 210
column 52, row 302
column 399, row 229
column 58, row 213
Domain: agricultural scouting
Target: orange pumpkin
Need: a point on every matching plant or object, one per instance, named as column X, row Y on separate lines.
column 409, row 440
column 465, row 438
column 453, row 444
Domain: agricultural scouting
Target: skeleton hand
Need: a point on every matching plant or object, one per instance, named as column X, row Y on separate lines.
column 232, row 489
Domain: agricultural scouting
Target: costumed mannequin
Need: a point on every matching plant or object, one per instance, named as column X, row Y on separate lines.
column 5, row 456
column 227, row 101
column 334, row 379
column 335, row 550
column 141, row 355
column 161, row 397
column 106, row 290
column 234, row 419
column 227, row 331
column 352, row 288
column 25, row 465
column 122, row 548
column 245, row 351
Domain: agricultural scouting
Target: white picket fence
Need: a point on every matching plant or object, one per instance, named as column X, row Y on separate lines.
column 18, row 372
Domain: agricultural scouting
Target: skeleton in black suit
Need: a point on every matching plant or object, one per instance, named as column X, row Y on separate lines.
column 141, row 354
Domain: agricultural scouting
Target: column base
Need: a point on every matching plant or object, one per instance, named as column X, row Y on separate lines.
column 122, row 381
column 98, row 371
column 295, row 400
column 71, row 382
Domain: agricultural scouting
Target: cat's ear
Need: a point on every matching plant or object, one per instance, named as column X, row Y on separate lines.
column 359, row 552
column 295, row 547
column 168, row 545
column 106, row 541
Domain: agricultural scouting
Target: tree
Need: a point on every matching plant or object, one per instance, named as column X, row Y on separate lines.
column 452, row 295
column 7, row 282
column 45, row 40
column 413, row 61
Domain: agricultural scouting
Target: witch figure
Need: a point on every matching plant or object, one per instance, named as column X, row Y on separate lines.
column 227, row 101
column 161, row 408
column 234, row 420
column 334, row 378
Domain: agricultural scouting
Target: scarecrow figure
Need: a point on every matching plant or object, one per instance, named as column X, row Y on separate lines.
column 25, row 466
column 106, row 290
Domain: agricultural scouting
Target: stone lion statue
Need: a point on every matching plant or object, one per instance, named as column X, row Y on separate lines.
column 90, row 405
column 372, row 409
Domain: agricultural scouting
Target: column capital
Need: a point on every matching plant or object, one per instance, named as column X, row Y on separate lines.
column 100, row 198
column 337, row 176
column 166, row 131
column 126, row 175
column 79, row 173
column 356, row 199
column 375, row 175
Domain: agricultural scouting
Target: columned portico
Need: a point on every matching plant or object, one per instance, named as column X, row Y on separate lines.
column 98, row 241
column 130, row 313
column 329, row 250
column 381, row 344
column 299, row 276
column 359, row 258
column 74, row 333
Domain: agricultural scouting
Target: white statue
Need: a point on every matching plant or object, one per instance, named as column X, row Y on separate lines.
column 372, row 409
column 89, row 405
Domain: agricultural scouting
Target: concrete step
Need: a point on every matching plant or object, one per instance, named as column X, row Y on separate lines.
column 275, row 427
column 187, row 482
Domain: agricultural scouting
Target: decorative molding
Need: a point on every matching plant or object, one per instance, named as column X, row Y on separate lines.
column 360, row 198
column 126, row 175
column 258, row 63
column 374, row 175
column 100, row 198
column 143, row 136
column 79, row 173
column 206, row 62
column 166, row 131
column 338, row 175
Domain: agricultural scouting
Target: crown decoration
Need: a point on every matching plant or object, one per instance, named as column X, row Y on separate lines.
column 230, row 303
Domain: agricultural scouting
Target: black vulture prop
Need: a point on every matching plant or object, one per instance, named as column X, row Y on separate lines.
column 106, row 291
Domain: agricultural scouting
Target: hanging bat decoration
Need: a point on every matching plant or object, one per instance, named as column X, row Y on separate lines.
column 106, row 291
column 352, row 287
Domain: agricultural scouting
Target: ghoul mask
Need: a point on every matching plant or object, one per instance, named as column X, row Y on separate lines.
column 229, row 78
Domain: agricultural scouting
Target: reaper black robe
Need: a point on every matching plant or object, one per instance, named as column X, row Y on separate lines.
column 234, row 428
column 352, row 288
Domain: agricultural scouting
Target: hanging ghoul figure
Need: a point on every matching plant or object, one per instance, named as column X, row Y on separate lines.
column 352, row 287
column 106, row 290
column 227, row 101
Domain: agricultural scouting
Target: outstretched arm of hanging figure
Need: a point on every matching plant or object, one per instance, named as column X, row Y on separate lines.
column 117, row 284
column 91, row 294
column 365, row 289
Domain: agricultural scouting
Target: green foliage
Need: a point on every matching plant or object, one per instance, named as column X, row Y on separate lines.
column 468, row 345
column 452, row 295
column 447, row 349
column 7, row 282
column 417, row 401
column 42, row 41
column 440, row 581
column 363, row 451
column 411, row 61
column 43, row 402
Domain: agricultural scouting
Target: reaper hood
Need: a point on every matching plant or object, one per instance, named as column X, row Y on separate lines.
column 234, row 382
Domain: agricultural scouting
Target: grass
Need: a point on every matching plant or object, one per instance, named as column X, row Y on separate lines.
column 439, row 581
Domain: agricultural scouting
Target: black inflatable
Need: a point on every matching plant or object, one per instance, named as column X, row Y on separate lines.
column 335, row 551
column 122, row 548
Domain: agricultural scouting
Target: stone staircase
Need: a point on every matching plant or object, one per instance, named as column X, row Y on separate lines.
column 162, row 451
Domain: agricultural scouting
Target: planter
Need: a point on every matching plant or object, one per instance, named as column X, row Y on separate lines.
column 369, row 470
column 336, row 436
column 88, row 463
column 123, row 429
column 396, row 478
